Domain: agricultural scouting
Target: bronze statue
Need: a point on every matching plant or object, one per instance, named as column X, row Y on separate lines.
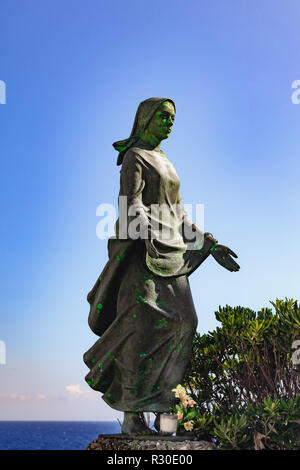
column 141, row 304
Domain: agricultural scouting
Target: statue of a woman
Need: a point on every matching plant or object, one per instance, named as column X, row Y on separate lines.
column 141, row 304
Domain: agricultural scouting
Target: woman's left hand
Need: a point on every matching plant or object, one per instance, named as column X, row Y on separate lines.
column 222, row 255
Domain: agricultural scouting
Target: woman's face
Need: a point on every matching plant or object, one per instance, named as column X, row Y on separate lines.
column 161, row 124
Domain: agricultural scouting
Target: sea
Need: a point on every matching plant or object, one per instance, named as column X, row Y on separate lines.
column 53, row 435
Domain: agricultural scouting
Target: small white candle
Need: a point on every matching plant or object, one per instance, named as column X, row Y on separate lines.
column 168, row 423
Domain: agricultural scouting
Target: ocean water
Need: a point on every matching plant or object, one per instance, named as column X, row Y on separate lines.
column 53, row 435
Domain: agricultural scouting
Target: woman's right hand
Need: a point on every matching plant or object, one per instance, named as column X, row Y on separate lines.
column 152, row 251
column 222, row 255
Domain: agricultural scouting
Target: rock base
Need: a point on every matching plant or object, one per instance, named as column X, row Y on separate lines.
column 123, row 442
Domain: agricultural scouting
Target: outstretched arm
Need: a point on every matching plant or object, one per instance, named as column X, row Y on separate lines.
column 209, row 245
column 191, row 233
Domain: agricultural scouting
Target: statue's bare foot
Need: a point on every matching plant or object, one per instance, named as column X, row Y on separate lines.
column 132, row 424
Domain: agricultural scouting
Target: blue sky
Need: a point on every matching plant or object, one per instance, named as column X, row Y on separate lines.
column 75, row 72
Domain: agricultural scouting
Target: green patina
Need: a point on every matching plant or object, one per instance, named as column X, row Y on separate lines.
column 141, row 298
column 161, row 323
column 111, row 356
column 120, row 257
column 197, row 245
column 160, row 126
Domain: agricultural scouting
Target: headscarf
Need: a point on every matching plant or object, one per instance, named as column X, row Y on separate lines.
column 144, row 114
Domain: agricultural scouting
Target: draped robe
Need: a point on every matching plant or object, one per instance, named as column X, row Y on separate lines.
column 141, row 306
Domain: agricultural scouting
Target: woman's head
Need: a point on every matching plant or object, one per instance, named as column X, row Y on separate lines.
column 160, row 125
column 153, row 122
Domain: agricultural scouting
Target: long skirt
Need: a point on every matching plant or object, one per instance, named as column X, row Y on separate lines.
column 146, row 350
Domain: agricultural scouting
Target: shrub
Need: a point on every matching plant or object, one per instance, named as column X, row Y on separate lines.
column 243, row 380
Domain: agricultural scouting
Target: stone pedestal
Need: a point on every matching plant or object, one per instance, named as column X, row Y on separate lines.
column 151, row 442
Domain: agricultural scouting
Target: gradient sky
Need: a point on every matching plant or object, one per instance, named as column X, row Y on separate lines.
column 75, row 73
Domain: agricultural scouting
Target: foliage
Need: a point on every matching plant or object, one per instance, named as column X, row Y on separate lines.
column 243, row 380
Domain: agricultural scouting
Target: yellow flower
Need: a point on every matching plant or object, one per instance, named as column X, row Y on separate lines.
column 189, row 425
column 179, row 415
column 178, row 388
column 182, row 396
column 179, row 391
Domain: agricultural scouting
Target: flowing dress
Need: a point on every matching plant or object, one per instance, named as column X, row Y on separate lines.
column 142, row 307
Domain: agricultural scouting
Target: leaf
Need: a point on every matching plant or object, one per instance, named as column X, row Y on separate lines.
column 190, row 414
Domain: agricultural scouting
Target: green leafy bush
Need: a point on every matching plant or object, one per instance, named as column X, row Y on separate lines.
column 244, row 381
